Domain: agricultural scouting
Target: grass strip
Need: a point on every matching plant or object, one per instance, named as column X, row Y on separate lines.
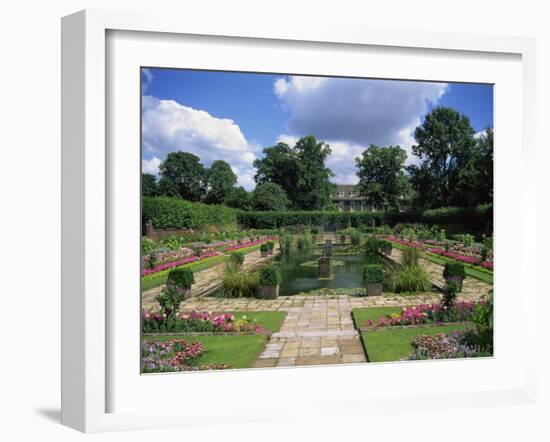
column 238, row 351
column 362, row 315
column 392, row 344
column 270, row 320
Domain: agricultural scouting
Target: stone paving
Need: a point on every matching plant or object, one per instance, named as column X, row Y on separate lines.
column 206, row 281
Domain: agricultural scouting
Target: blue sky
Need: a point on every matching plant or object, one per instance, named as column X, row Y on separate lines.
column 232, row 116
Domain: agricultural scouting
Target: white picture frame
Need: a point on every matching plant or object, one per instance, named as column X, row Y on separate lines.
column 86, row 216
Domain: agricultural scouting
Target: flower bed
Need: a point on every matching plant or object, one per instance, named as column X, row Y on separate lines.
column 249, row 244
column 175, row 355
column 428, row 313
column 163, row 257
column 442, row 346
column 473, row 260
column 170, row 265
column 404, row 242
column 193, row 322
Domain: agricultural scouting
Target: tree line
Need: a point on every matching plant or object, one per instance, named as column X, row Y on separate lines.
column 453, row 167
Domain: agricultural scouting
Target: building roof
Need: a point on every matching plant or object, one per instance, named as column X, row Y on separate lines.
column 350, row 191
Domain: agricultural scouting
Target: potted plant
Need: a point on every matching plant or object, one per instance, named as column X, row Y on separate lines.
column 270, row 246
column 264, row 249
column 385, row 247
column 455, row 272
column 181, row 280
column 269, row 281
column 373, row 277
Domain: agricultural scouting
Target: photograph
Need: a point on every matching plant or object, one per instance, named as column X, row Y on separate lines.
column 292, row 220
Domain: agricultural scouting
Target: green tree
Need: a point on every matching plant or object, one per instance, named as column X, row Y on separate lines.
column 268, row 197
column 238, row 198
column 445, row 145
column 149, row 185
column 220, row 179
column 382, row 179
column 182, row 174
column 300, row 171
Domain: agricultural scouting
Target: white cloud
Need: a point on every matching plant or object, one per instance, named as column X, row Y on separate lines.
column 350, row 114
column 146, row 79
column 168, row 126
column 151, row 165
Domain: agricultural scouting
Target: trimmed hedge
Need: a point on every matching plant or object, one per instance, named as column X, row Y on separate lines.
column 275, row 220
column 175, row 213
column 269, row 276
column 373, row 274
column 460, row 219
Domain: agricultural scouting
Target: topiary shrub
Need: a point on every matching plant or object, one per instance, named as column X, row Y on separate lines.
column 269, row 276
column 372, row 245
column 456, row 272
column 449, row 294
column 373, row 277
column 355, row 237
column 454, row 269
column 270, row 246
column 385, row 247
column 373, row 274
column 181, row 278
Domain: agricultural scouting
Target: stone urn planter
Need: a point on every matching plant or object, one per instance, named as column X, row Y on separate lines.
column 269, row 292
column 374, row 289
column 264, row 250
column 373, row 277
column 270, row 278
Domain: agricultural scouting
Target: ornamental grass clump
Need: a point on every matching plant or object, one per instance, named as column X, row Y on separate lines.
column 236, row 259
column 285, row 242
column 239, row 284
column 410, row 257
column 409, row 279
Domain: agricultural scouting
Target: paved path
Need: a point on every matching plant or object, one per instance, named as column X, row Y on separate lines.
column 472, row 289
column 206, row 281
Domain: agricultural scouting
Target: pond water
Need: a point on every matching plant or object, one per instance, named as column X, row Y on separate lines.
column 296, row 278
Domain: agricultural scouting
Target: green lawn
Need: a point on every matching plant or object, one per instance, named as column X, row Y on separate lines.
column 392, row 344
column 363, row 315
column 269, row 320
column 237, row 351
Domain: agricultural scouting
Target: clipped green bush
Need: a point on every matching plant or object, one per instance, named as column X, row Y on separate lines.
column 264, row 248
column 270, row 245
column 181, row 277
column 355, row 237
column 386, row 247
column 269, row 276
column 373, row 274
column 454, row 269
column 372, row 245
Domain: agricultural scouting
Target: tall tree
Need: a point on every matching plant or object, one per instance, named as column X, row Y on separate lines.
column 182, row 174
column 220, row 179
column 445, row 145
column 300, row 171
column 149, row 185
column 382, row 179
column 238, row 198
column 268, row 197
